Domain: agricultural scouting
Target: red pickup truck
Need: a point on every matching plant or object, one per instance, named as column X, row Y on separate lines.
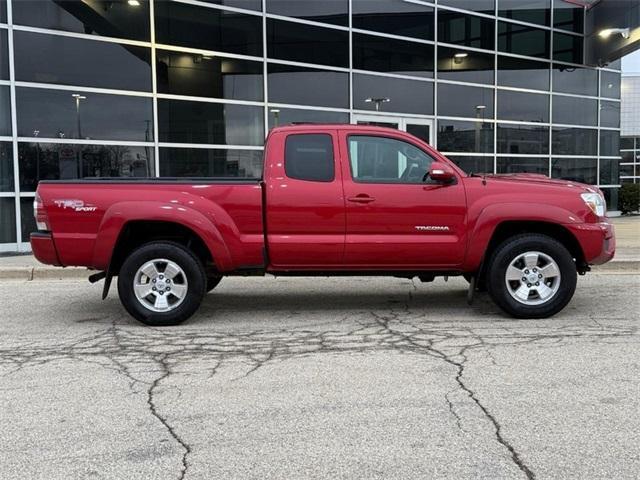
column 333, row 200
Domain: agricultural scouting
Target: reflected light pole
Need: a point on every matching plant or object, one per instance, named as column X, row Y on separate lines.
column 377, row 101
column 276, row 116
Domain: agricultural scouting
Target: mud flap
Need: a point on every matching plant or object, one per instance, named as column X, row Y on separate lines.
column 472, row 290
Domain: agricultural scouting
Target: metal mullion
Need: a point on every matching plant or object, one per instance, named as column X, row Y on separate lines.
column 466, row 12
column 495, row 90
column 434, row 134
column 210, row 146
column 469, row 84
column 76, row 88
column 154, row 91
column 197, row 3
column 190, row 98
column 309, row 65
column 350, row 24
column 373, row 33
column 284, row 18
column 82, row 36
column 265, row 70
column 309, row 107
column 79, row 141
column 202, row 51
column 550, row 100
column 392, row 75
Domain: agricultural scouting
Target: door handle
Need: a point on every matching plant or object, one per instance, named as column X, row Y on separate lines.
column 362, row 198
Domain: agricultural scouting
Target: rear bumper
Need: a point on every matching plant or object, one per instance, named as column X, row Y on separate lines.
column 598, row 241
column 44, row 249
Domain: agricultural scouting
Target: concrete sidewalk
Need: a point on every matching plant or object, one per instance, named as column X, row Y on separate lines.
column 627, row 258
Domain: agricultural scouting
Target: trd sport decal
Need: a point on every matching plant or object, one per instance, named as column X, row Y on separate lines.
column 75, row 205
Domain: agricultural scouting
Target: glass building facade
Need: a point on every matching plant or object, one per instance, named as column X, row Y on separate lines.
column 190, row 88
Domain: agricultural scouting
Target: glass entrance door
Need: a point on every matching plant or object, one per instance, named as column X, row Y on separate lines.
column 419, row 127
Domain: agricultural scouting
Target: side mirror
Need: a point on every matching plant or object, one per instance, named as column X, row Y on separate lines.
column 441, row 172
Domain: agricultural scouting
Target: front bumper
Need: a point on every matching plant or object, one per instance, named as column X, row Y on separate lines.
column 44, row 249
column 598, row 241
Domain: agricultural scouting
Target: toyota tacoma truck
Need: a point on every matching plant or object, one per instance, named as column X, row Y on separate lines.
column 332, row 200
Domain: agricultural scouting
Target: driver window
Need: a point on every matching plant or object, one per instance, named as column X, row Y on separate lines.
column 386, row 160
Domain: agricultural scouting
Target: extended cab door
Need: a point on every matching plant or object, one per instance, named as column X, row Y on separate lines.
column 394, row 218
column 305, row 216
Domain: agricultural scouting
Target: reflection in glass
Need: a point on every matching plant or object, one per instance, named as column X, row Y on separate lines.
column 463, row 29
column 539, row 165
column 3, row 11
column 335, row 12
column 530, row 11
column 86, row 115
column 626, row 171
column 4, row 55
column 582, row 170
column 98, row 17
column 525, row 107
column 610, row 142
column 248, row 4
column 568, row 15
column 575, row 110
column 308, row 86
column 611, row 198
column 517, row 72
column 471, row 164
column 5, row 111
column 570, row 79
column 405, row 96
column 90, row 63
column 208, row 28
column 609, row 114
column 465, row 101
column 307, row 43
column 567, row 48
column 574, row 141
column 205, row 162
column 463, row 136
column 523, row 40
column 56, row 161
column 389, row 55
column 213, row 123
column 626, row 143
column 284, row 116
column 529, row 139
column 609, row 171
column 609, row 84
column 6, row 167
column 395, row 17
column 28, row 221
column 482, row 6
column 7, row 220
column 208, row 76
column 465, row 65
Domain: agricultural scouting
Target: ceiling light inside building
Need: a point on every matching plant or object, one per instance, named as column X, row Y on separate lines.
column 134, row 3
column 607, row 32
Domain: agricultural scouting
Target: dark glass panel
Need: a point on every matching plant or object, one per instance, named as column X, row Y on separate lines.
column 205, row 162
column 609, row 84
column 463, row 29
column 628, row 156
column 209, row 76
column 568, row 15
column 523, row 165
column 569, row 79
column 525, row 107
column 583, row 170
column 308, row 86
column 7, row 220
column 4, row 55
column 335, row 12
column 472, row 164
column 626, row 143
column 405, row 96
column 6, row 167
column 611, row 198
column 86, row 62
column 395, row 17
column 208, row 28
column 465, row 101
column 248, row 4
column 517, row 72
column 616, row 64
column 528, row 139
column 609, row 171
column 483, row 6
column 609, row 142
column 530, row 11
column 419, row 130
column 574, row 141
column 575, row 110
column 567, row 48
column 27, row 220
column 390, row 55
column 283, row 116
column 465, row 65
column 626, row 171
column 523, row 40
column 58, row 114
column 55, row 161
column 609, row 114
column 99, row 17
column 309, row 157
column 463, row 136
column 3, row 11
column 5, row 111
column 307, row 43
column 214, row 123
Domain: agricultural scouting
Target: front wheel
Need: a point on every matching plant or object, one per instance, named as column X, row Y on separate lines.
column 531, row 276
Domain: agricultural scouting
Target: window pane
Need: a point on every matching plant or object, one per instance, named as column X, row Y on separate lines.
column 465, row 65
column 567, row 48
column 405, row 96
column 208, row 28
column 609, row 84
column 4, row 56
column 58, row 114
column 523, row 165
column 7, row 220
column 611, row 198
column 55, row 161
column 522, row 139
column 335, row 12
column 575, row 110
column 610, row 142
column 307, row 43
column 6, row 167
column 526, row 107
column 205, row 162
column 248, row 4
column 569, row 79
column 574, row 141
column 209, row 76
column 609, row 114
column 109, row 19
column 530, row 11
column 382, row 54
column 309, row 157
column 386, row 160
column 626, row 171
column 582, row 170
column 516, row 72
column 464, row 101
column 5, row 111
column 628, row 156
column 395, row 17
column 523, row 40
column 471, row 164
column 3, row 11
column 463, row 29
column 483, row 6
column 626, row 143
column 568, row 15
column 87, row 62
column 308, row 86
column 28, row 222
column 283, row 116
column 214, row 123
column 462, row 136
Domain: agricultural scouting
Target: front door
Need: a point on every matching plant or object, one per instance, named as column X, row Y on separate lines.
column 418, row 127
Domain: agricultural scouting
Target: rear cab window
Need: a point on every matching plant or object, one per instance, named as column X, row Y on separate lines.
column 309, row 157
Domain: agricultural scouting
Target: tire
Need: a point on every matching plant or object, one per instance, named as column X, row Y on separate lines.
column 212, row 282
column 526, row 296
column 181, row 294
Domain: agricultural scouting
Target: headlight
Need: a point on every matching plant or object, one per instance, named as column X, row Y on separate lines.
column 595, row 202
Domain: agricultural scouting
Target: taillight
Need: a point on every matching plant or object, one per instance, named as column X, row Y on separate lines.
column 42, row 222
